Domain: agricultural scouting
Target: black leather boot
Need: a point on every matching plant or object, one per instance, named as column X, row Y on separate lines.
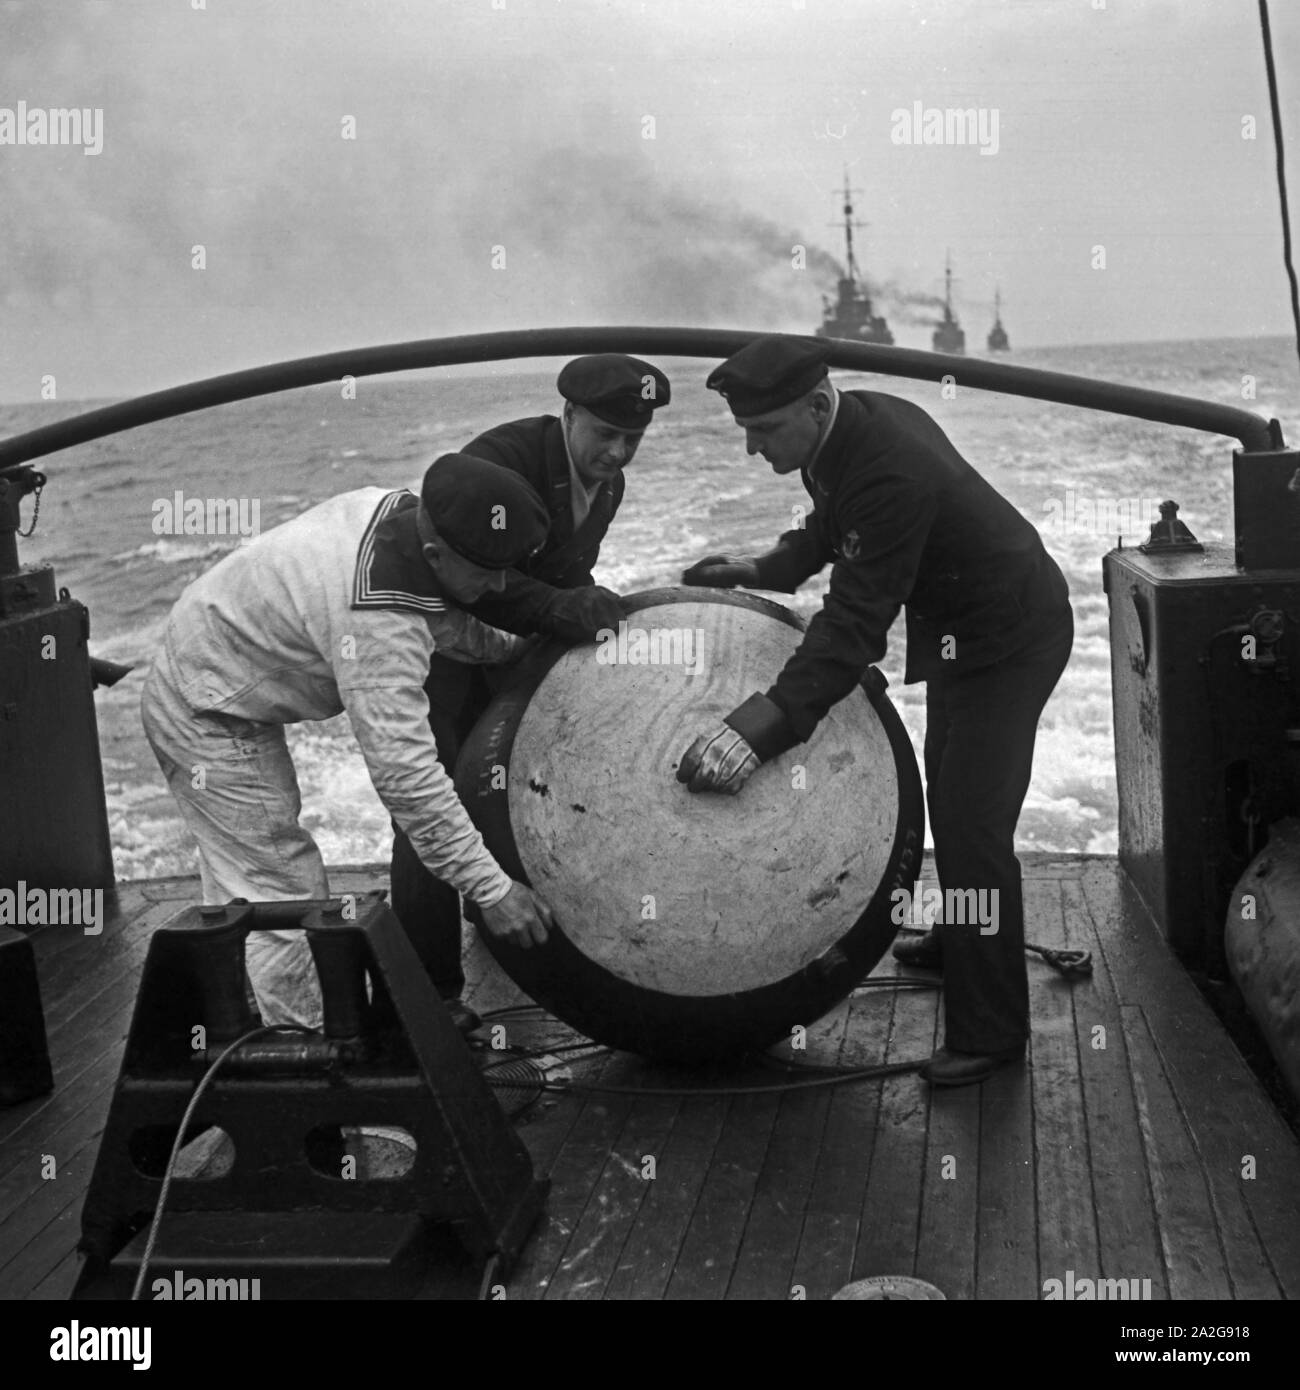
column 465, row 1019
column 920, row 952
column 948, row 1068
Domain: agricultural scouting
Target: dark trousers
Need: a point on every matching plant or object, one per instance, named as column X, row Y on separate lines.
column 427, row 908
column 979, row 753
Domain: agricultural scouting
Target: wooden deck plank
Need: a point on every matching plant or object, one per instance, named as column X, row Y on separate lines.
column 76, row 1079
column 1222, row 1102
column 117, row 977
column 1184, row 1215
column 37, row 1232
column 592, row 1255
column 57, row 1119
column 86, row 1027
column 1230, row 1112
column 104, row 1022
column 48, row 1250
column 946, row 1236
column 58, row 1284
column 650, row 1251
column 823, row 1254
column 578, row 1164
column 118, row 970
column 833, row 1224
column 758, row 1194
column 1006, row 1235
column 829, row 1241
column 1064, row 1198
column 1006, row 1238
column 68, row 958
column 80, row 1109
column 1128, row 1233
column 763, row 1249
column 827, row 1246
column 891, row 1208
column 765, row 1261
column 545, row 1128
column 717, row 1226
column 53, row 943
column 112, row 971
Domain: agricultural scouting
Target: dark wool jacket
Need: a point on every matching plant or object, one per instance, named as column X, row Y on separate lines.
column 535, row 450
column 905, row 521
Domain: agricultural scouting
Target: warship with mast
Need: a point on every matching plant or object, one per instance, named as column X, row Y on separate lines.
column 851, row 315
column 949, row 336
column 998, row 340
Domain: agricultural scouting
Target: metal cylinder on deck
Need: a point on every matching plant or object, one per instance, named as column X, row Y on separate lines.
column 53, row 824
column 691, row 925
column 1262, row 944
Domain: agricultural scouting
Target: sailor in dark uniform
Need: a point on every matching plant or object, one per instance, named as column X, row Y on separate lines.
column 905, row 521
column 575, row 464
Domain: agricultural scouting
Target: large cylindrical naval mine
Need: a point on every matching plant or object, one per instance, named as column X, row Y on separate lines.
column 691, row 925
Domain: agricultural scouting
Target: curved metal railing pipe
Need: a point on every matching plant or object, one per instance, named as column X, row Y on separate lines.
column 1007, row 377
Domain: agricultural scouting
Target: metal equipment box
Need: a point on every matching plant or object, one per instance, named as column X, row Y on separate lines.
column 53, row 826
column 1204, row 660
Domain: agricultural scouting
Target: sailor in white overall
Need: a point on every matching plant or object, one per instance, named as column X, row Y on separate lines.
column 338, row 610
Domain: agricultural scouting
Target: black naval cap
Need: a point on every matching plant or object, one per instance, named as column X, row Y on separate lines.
column 485, row 512
column 621, row 391
column 770, row 372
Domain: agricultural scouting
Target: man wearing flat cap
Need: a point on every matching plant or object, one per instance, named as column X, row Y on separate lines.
column 905, row 522
column 575, row 463
column 338, row 610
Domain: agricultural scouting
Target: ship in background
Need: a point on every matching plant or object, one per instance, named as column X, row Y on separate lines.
column 998, row 340
column 851, row 316
column 949, row 336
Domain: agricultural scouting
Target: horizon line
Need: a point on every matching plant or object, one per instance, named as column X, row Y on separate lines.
column 412, row 374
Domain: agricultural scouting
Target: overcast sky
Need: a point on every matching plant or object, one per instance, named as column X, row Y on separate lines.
column 523, row 124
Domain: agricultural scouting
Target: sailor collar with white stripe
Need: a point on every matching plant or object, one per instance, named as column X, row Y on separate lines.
column 391, row 571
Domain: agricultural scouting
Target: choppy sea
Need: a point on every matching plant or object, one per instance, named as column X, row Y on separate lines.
column 1078, row 475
